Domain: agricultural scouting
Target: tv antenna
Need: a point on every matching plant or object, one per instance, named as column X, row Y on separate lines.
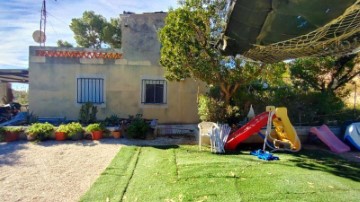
column 39, row 36
column 42, row 34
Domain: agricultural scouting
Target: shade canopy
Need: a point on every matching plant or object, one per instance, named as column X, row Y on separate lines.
column 271, row 31
column 14, row 75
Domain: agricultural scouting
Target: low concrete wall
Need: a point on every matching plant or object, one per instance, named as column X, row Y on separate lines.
column 302, row 132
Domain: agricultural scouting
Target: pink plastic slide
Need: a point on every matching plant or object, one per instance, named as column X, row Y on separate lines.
column 328, row 137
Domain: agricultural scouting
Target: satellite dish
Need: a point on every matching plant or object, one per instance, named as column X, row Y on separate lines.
column 39, row 36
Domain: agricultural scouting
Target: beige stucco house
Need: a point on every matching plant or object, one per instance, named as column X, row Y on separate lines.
column 122, row 82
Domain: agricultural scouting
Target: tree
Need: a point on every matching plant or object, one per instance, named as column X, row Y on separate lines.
column 325, row 74
column 189, row 48
column 21, row 97
column 64, row 44
column 112, row 33
column 93, row 31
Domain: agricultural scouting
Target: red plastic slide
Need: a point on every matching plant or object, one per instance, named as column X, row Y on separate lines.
column 246, row 131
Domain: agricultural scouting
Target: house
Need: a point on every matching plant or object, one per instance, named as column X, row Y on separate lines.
column 123, row 82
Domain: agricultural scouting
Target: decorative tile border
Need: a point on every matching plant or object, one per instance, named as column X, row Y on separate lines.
column 78, row 54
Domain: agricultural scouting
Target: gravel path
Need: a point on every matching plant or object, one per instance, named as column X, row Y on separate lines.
column 52, row 171
column 59, row 171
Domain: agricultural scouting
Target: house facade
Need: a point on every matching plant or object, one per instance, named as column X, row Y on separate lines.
column 122, row 82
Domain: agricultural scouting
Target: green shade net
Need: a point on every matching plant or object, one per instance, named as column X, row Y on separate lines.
column 271, row 31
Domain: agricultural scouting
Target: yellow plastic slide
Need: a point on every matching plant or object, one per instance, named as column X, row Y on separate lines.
column 284, row 135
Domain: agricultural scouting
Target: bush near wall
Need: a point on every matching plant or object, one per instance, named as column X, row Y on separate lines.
column 304, row 108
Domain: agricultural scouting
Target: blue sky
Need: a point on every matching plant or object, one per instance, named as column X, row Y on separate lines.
column 20, row 18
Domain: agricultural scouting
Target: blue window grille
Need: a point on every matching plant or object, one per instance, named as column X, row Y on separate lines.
column 90, row 90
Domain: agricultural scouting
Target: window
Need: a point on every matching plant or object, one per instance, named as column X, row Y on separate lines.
column 90, row 90
column 153, row 91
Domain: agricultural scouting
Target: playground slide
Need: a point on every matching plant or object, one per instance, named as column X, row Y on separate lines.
column 352, row 134
column 253, row 126
column 284, row 130
column 328, row 137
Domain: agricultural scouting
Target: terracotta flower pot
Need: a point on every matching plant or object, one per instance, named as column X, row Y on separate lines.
column 97, row 135
column 60, row 136
column 11, row 136
column 116, row 134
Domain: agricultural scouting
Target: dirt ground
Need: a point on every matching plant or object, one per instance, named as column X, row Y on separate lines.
column 64, row 171
column 59, row 171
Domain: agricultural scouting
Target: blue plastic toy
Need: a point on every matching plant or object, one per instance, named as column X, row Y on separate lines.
column 264, row 155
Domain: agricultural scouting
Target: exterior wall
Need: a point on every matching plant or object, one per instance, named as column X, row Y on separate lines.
column 3, row 92
column 52, row 85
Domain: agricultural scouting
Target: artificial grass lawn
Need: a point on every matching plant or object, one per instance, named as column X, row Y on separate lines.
column 186, row 174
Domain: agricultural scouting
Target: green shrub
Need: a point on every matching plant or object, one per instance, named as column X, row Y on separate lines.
column 40, row 131
column 74, row 128
column 304, row 108
column 62, row 129
column 112, row 120
column 210, row 109
column 13, row 129
column 75, row 131
column 138, row 127
column 88, row 113
column 94, row 127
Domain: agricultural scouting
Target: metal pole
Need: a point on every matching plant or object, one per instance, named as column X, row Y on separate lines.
column 43, row 24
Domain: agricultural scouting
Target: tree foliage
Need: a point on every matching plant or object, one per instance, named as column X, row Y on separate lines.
column 64, row 44
column 94, row 31
column 324, row 74
column 21, row 97
column 210, row 109
column 188, row 48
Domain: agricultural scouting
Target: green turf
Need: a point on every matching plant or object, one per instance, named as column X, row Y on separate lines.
column 185, row 174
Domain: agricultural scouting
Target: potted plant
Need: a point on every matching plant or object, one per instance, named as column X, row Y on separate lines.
column 75, row 131
column 96, row 130
column 116, row 133
column 112, row 120
column 12, row 133
column 61, row 132
column 137, row 128
column 106, row 133
column 39, row 131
